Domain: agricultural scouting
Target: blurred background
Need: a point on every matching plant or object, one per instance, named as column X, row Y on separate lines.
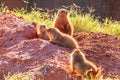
column 102, row 8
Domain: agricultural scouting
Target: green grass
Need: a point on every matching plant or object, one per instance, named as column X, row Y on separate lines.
column 81, row 22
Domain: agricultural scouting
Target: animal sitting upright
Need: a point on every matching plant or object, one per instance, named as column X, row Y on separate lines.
column 83, row 67
column 62, row 22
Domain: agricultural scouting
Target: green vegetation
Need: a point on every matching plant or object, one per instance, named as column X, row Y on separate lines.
column 81, row 22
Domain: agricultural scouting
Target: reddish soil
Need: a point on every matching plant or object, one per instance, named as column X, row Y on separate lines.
column 22, row 51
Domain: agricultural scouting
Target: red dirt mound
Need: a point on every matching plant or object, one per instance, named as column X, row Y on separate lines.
column 14, row 29
column 35, row 55
column 21, row 51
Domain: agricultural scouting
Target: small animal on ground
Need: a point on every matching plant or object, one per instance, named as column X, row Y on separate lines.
column 61, row 39
column 42, row 32
column 82, row 66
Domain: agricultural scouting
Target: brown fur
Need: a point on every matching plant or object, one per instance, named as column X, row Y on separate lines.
column 42, row 32
column 63, row 23
column 61, row 39
column 83, row 67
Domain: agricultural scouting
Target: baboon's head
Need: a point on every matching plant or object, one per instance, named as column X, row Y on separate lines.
column 62, row 13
